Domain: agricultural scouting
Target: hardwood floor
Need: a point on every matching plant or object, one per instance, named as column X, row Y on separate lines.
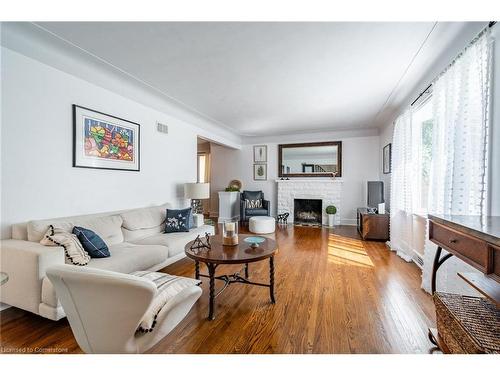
column 334, row 294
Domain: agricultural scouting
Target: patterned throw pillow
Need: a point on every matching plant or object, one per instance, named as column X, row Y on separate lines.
column 253, row 203
column 177, row 220
column 73, row 249
column 92, row 243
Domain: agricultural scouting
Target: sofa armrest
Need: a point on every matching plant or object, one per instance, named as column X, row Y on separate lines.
column 26, row 262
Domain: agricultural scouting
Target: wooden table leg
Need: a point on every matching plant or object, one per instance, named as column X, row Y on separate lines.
column 246, row 270
column 211, row 302
column 271, row 279
column 196, row 270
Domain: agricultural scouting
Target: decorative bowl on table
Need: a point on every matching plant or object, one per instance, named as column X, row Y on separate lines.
column 254, row 241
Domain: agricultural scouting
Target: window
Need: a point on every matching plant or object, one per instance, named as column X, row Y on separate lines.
column 422, row 120
column 202, row 168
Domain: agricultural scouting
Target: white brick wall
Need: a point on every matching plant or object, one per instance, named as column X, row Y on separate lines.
column 329, row 191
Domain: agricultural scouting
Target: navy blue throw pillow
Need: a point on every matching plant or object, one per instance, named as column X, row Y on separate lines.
column 177, row 220
column 91, row 242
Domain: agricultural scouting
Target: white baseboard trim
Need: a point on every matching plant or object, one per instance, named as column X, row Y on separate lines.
column 4, row 306
column 343, row 221
column 348, row 222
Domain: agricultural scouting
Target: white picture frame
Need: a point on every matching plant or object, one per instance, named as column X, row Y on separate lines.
column 260, row 154
column 260, row 172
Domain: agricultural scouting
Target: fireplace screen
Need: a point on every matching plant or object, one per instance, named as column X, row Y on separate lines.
column 307, row 211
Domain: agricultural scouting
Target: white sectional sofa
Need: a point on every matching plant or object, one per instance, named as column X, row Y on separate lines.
column 135, row 239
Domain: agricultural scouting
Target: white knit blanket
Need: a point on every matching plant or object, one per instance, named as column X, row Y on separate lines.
column 168, row 286
column 73, row 249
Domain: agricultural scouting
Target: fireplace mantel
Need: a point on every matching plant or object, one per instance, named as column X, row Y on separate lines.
column 328, row 190
column 309, row 180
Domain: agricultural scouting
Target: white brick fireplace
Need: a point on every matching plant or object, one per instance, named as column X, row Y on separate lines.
column 329, row 191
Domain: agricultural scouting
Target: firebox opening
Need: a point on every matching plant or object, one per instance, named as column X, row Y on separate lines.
column 307, row 211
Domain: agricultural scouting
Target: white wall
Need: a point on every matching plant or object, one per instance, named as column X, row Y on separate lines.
column 360, row 163
column 385, row 139
column 29, row 40
column 38, row 180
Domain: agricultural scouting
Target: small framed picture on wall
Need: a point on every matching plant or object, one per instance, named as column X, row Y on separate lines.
column 260, row 172
column 387, row 158
column 260, row 154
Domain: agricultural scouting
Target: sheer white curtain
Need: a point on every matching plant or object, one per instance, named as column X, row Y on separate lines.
column 403, row 185
column 459, row 167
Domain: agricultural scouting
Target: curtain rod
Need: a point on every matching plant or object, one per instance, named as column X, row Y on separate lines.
column 490, row 25
column 420, row 95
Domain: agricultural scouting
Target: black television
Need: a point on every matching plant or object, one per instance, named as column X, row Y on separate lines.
column 375, row 193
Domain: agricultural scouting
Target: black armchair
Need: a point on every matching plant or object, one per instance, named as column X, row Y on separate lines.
column 249, row 206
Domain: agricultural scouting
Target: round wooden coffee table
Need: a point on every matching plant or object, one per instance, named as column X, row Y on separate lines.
column 238, row 254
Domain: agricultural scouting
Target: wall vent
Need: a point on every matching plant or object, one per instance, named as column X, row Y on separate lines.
column 418, row 260
column 162, row 128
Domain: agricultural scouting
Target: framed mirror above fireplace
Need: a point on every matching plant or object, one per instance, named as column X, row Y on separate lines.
column 318, row 159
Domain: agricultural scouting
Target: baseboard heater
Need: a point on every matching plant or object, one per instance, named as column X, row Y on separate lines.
column 419, row 261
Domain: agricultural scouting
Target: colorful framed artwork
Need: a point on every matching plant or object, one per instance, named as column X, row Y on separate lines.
column 387, row 151
column 260, row 172
column 103, row 141
column 260, row 154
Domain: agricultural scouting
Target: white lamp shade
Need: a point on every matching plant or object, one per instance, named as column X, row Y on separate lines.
column 195, row 190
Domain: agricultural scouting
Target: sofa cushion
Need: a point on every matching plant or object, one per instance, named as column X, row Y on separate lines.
column 134, row 235
column 91, row 242
column 144, row 222
column 127, row 257
column 256, row 212
column 144, row 218
column 109, row 228
column 175, row 241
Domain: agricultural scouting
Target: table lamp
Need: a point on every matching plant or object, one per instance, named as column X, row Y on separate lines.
column 196, row 192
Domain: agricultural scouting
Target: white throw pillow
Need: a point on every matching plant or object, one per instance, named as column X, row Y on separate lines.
column 75, row 253
column 253, row 203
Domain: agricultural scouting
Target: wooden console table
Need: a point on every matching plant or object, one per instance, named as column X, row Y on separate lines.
column 476, row 241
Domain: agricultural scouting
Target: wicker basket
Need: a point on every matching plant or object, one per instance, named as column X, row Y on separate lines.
column 467, row 324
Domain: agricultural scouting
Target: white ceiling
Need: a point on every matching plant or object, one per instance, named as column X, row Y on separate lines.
column 272, row 78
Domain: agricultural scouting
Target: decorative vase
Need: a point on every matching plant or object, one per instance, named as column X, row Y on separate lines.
column 230, row 233
column 331, row 220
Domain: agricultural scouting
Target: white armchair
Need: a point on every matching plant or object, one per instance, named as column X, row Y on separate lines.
column 105, row 308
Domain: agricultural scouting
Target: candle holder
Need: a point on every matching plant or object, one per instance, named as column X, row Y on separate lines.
column 230, row 233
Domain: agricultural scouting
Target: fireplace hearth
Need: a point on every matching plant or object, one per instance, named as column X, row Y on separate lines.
column 307, row 211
